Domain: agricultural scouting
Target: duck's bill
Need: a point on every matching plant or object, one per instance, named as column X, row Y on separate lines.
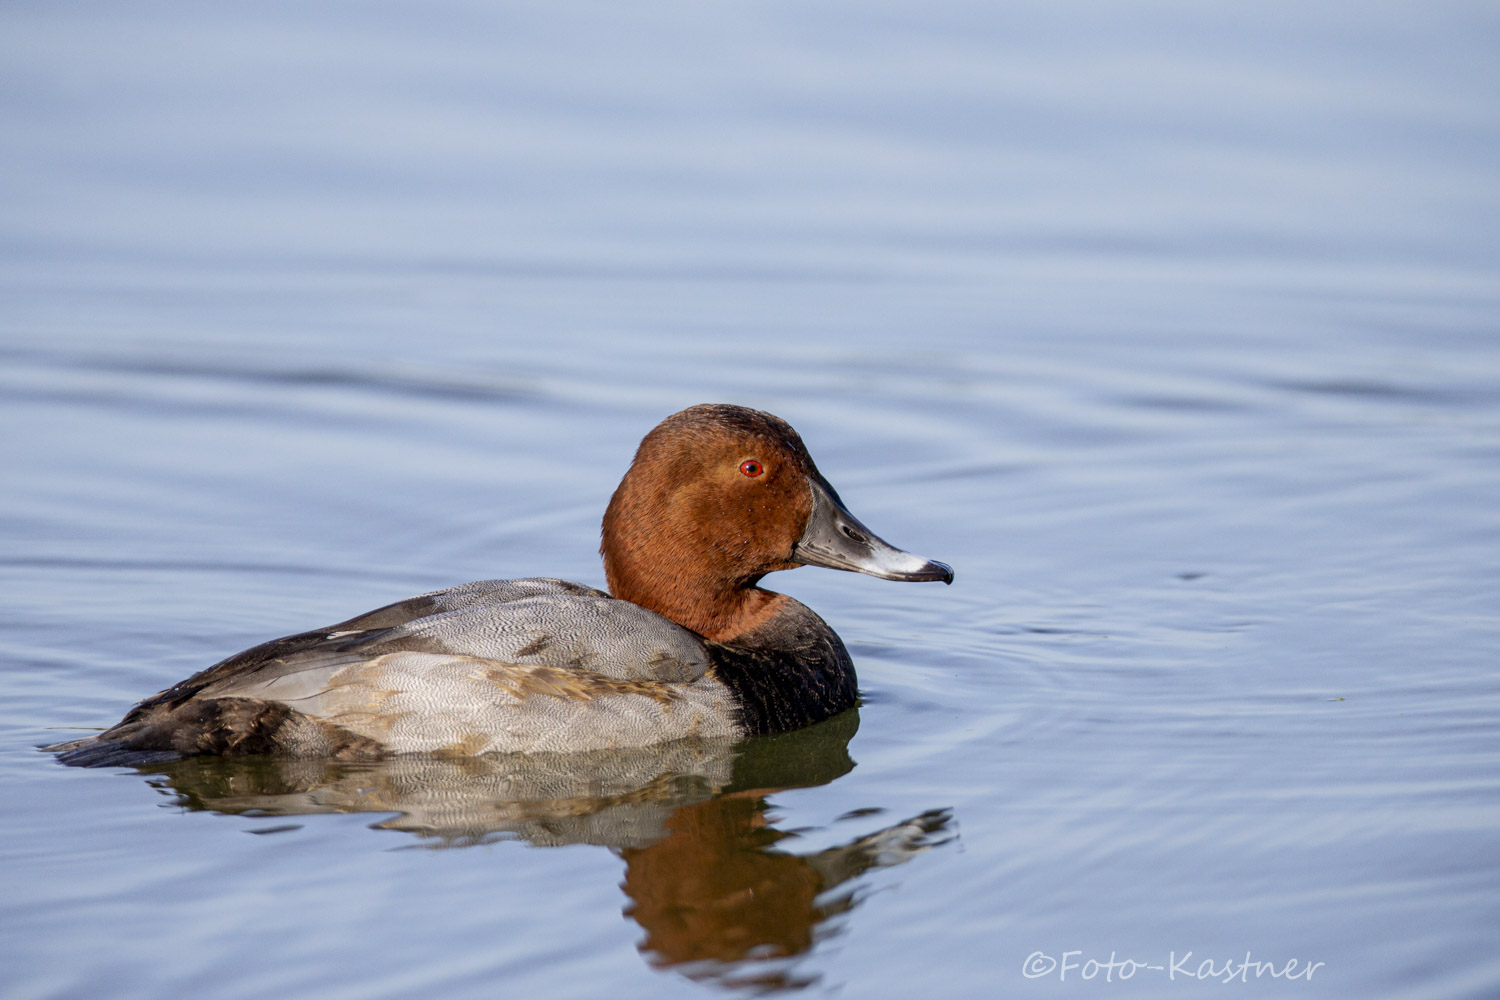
column 836, row 539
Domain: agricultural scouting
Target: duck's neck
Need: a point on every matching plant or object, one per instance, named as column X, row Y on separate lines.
column 715, row 609
column 789, row 673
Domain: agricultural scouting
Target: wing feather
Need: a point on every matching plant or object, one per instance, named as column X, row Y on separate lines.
column 530, row 622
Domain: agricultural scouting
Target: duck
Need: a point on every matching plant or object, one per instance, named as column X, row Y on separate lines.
column 684, row 644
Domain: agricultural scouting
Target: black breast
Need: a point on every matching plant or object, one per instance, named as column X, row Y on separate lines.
column 788, row 673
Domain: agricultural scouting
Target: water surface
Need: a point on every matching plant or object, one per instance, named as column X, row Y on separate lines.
column 1172, row 328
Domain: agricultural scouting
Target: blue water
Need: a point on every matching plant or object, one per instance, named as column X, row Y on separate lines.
column 1173, row 327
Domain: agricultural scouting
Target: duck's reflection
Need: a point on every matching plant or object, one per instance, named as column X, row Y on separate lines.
column 705, row 870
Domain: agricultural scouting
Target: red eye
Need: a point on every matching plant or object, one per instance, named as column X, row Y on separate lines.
column 751, row 468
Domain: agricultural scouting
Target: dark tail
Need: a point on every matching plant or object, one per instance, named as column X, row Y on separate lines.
column 160, row 731
column 96, row 751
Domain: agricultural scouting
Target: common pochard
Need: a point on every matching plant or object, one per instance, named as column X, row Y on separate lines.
column 685, row 644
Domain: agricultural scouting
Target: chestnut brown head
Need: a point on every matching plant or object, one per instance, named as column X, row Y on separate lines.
column 717, row 497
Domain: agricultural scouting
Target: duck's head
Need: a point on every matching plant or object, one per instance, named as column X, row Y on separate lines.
column 717, row 497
